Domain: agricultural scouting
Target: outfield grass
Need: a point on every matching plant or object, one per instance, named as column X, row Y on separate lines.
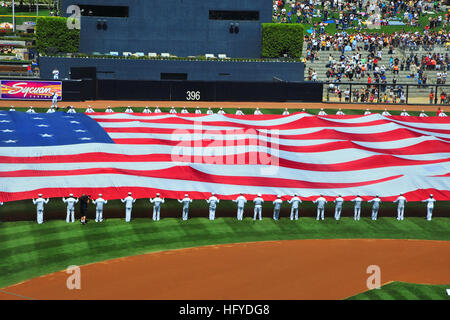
column 29, row 250
column 405, row 291
column 29, row 15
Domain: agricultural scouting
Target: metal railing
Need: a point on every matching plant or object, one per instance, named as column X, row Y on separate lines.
column 377, row 93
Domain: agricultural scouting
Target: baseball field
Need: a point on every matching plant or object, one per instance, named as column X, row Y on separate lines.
column 225, row 259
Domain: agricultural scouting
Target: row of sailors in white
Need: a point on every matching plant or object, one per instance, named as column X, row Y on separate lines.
column 240, row 201
column 239, row 112
column 384, row 113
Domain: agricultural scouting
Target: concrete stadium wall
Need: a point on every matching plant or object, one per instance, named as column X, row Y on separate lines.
column 131, row 69
column 180, row 27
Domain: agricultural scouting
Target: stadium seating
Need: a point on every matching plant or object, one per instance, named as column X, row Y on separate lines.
column 403, row 77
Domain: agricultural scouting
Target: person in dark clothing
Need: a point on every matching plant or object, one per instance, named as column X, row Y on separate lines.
column 84, row 200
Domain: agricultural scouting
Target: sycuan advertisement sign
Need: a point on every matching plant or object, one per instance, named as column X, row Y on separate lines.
column 30, row 90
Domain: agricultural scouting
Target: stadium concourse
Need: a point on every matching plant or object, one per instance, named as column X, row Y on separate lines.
column 82, row 105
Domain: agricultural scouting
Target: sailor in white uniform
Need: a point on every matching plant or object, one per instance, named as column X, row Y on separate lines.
column 172, row 110
column 239, row 112
column 198, row 110
column 129, row 110
column 51, row 110
column 339, row 201
column 367, row 112
column 129, row 200
column 158, row 110
column 221, row 112
column 277, row 207
column 241, row 201
column 209, row 111
column 184, row 110
column 401, row 200
column 285, row 112
column 340, row 112
column 423, row 114
column 99, row 205
column 257, row 112
column 31, row 110
column 375, row 207
column 55, row 74
column 146, row 110
column 404, row 113
column 39, row 202
column 71, row 110
column 322, row 112
column 156, row 207
column 321, row 201
column 109, row 110
column 186, row 201
column 358, row 200
column 258, row 201
column 430, row 206
column 55, row 100
column 89, row 110
column 12, row 108
column 294, row 202
column 212, row 201
column 385, row 113
column 70, row 217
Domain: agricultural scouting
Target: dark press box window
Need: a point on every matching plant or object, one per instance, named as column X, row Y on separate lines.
column 233, row 15
column 104, row 11
column 174, row 76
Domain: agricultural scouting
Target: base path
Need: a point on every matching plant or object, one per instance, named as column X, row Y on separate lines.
column 297, row 269
column 205, row 104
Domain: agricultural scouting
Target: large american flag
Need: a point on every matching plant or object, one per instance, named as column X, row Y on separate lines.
column 173, row 154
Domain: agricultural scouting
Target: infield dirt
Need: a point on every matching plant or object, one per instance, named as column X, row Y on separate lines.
column 295, row 269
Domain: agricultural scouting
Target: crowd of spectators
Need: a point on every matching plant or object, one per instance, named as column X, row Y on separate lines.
column 365, row 60
column 407, row 41
column 369, row 93
column 380, row 94
column 362, row 55
column 357, row 13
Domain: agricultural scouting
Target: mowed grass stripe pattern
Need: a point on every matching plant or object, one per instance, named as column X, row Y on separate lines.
column 405, row 291
column 29, row 250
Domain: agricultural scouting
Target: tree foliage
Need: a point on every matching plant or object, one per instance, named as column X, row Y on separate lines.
column 280, row 39
column 53, row 36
